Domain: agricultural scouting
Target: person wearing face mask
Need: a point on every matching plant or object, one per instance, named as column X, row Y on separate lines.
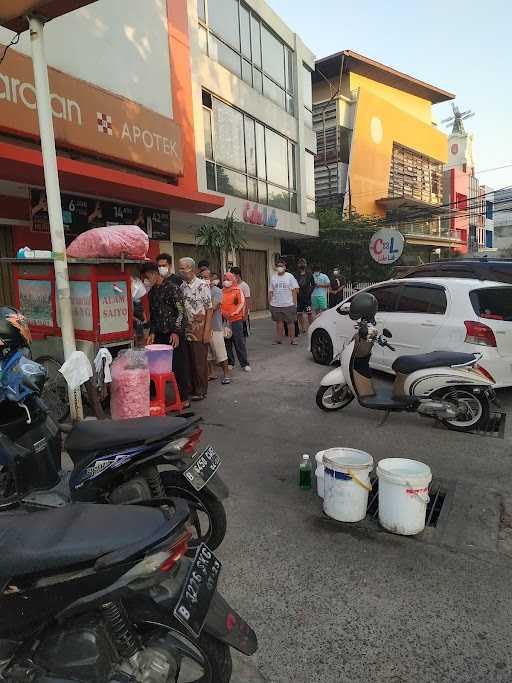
column 319, row 296
column 167, row 322
column 233, row 307
column 336, row 290
column 164, row 262
column 282, row 297
column 306, row 286
column 217, row 354
column 199, row 311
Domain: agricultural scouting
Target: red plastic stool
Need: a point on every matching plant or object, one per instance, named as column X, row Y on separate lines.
column 158, row 405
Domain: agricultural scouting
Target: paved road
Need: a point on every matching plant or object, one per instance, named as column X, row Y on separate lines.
column 352, row 603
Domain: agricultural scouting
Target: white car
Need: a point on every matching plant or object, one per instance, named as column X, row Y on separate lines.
column 429, row 314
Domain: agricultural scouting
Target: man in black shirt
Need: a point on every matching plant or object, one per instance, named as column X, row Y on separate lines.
column 306, row 286
column 164, row 263
column 168, row 322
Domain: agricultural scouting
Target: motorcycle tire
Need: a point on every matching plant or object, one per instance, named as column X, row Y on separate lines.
column 322, row 399
column 203, row 501
column 480, row 419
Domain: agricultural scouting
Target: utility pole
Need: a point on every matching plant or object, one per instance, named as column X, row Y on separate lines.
column 51, row 177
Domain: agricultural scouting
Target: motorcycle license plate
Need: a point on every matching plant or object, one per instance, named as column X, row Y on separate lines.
column 198, row 590
column 203, row 468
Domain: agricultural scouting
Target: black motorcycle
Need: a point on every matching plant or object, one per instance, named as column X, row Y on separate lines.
column 95, row 593
column 115, row 461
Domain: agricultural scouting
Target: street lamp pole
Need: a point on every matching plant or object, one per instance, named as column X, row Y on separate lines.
column 51, row 177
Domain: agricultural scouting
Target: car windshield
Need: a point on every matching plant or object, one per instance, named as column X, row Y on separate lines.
column 494, row 303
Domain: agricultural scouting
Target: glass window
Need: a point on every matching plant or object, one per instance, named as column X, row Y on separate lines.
column 224, row 55
column 387, row 297
column 256, row 40
column 257, row 79
column 278, row 197
column 494, row 303
column 247, row 71
column 228, row 136
column 223, row 20
column 292, row 172
column 293, row 202
column 273, row 56
column 203, row 40
column 252, row 189
column 307, row 88
column 211, row 183
column 310, row 175
column 290, row 104
column 310, row 208
column 250, row 146
column 288, row 67
column 277, row 156
column 260, row 150
column 308, row 118
column 421, row 299
column 245, row 31
column 208, row 146
column 201, row 10
column 273, row 92
column 231, row 182
column 262, row 192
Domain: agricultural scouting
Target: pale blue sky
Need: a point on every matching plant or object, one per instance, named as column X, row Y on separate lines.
column 463, row 47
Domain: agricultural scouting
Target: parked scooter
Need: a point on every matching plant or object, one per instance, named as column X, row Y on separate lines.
column 450, row 387
column 93, row 593
column 114, row 461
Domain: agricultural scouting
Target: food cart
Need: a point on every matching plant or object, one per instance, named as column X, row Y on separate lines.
column 100, row 297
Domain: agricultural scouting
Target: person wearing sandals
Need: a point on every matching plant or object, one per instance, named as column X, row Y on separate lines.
column 282, row 297
column 199, row 311
column 217, row 355
column 233, row 307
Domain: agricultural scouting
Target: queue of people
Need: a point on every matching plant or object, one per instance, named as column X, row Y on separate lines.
column 202, row 319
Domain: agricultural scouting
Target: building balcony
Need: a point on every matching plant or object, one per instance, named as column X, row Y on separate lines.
column 432, row 233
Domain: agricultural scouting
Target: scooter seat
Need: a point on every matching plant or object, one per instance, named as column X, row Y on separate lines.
column 91, row 436
column 437, row 359
column 74, row 535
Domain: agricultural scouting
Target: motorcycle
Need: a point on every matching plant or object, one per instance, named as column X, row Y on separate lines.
column 92, row 593
column 114, row 461
column 447, row 386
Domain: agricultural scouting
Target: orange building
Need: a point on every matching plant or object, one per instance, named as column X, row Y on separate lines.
column 379, row 150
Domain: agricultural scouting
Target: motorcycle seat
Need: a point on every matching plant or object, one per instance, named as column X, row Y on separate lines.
column 91, row 436
column 436, row 359
column 53, row 541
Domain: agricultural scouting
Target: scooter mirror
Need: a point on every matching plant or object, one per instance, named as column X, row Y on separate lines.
column 386, row 333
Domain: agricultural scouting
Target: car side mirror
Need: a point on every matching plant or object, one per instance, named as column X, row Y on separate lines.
column 386, row 333
column 344, row 309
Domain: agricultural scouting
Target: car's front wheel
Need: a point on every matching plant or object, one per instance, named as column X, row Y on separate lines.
column 321, row 347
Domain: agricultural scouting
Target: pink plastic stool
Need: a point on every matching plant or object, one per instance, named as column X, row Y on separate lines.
column 158, row 405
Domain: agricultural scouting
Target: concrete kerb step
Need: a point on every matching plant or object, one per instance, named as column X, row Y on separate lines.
column 245, row 670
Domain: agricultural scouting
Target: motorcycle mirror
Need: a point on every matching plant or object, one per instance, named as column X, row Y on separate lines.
column 386, row 333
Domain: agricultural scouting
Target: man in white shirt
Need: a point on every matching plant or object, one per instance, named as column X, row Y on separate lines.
column 282, row 297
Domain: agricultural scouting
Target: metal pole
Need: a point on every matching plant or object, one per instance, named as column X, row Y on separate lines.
column 51, row 176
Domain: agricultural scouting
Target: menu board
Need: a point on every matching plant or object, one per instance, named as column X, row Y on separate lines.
column 82, row 213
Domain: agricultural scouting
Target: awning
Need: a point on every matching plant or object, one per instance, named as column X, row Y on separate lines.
column 25, row 165
column 13, row 12
column 410, row 203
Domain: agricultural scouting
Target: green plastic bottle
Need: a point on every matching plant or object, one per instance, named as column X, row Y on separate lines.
column 305, row 473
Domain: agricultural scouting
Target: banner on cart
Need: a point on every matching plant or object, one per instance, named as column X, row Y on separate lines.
column 113, row 307
column 81, row 305
column 36, row 301
column 82, row 213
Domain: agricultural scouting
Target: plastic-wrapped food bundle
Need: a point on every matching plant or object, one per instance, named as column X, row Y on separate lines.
column 130, row 385
column 110, row 242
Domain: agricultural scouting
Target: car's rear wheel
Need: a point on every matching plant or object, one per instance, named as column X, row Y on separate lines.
column 321, row 347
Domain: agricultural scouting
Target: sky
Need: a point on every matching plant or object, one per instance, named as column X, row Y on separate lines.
column 465, row 48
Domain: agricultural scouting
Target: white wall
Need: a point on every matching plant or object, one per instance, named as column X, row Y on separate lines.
column 120, row 45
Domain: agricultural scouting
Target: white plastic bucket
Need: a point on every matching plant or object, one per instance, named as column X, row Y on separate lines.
column 319, row 457
column 403, row 495
column 346, row 483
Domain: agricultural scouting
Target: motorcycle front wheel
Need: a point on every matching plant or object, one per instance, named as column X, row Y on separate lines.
column 335, row 397
column 208, row 521
column 476, row 410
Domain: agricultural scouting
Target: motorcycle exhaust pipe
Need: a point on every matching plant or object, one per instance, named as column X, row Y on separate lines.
column 441, row 410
